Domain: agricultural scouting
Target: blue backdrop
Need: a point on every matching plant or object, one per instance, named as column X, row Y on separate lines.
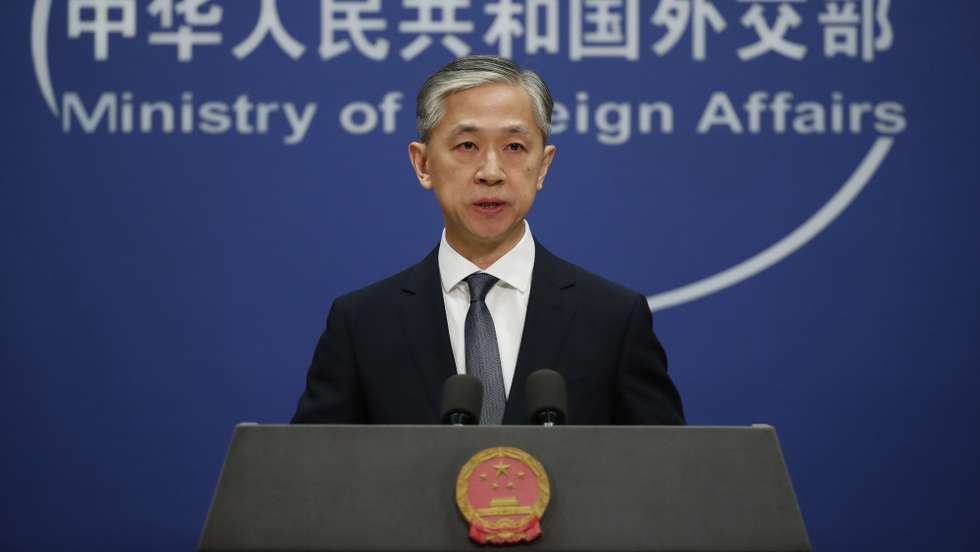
column 793, row 184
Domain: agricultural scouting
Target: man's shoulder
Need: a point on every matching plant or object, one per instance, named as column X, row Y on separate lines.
column 549, row 269
column 384, row 290
column 591, row 287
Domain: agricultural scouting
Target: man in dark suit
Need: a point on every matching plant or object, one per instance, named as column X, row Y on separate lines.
column 489, row 300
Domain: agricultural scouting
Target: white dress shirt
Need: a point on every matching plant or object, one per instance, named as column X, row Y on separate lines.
column 507, row 299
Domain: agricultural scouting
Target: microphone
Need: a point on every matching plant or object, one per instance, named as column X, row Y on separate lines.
column 462, row 399
column 547, row 403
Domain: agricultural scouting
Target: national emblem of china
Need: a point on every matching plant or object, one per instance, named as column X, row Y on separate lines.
column 503, row 492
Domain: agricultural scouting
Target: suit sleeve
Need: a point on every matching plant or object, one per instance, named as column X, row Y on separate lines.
column 333, row 392
column 646, row 393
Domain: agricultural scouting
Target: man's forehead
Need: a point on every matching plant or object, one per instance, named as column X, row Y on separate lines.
column 495, row 108
column 497, row 100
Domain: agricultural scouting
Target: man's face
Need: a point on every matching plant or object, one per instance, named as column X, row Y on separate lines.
column 485, row 161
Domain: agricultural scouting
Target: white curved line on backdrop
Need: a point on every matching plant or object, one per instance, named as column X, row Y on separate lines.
column 786, row 246
column 39, row 51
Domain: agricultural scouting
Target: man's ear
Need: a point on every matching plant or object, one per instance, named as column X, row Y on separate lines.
column 547, row 157
column 418, row 155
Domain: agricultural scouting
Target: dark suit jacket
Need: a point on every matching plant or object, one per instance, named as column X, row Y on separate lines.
column 385, row 353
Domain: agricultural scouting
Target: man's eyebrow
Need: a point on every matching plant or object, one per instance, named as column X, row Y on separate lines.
column 465, row 128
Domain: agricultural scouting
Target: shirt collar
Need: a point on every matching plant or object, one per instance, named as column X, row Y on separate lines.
column 513, row 269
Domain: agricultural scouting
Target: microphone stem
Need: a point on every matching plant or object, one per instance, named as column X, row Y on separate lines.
column 549, row 418
column 460, row 419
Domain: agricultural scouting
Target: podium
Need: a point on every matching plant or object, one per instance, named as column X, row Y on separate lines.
column 612, row 488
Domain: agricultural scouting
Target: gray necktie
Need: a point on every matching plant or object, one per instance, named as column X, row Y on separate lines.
column 482, row 355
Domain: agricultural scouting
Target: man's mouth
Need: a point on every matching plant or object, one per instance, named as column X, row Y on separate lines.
column 489, row 205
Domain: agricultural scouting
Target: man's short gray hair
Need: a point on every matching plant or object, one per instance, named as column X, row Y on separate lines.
column 470, row 72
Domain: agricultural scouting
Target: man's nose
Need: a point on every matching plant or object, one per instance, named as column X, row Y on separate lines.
column 490, row 172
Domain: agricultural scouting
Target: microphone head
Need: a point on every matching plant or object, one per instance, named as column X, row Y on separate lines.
column 546, row 398
column 462, row 399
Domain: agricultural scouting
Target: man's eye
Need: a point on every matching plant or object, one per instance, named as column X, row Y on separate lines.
column 515, row 147
column 467, row 146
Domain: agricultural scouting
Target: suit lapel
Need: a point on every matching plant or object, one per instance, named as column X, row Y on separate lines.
column 423, row 319
column 550, row 310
